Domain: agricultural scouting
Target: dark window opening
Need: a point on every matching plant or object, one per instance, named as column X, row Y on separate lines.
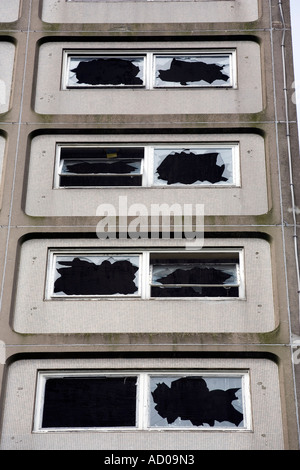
column 101, row 166
column 187, row 167
column 88, row 276
column 76, row 402
column 191, row 400
column 106, row 71
column 192, row 71
column 194, row 278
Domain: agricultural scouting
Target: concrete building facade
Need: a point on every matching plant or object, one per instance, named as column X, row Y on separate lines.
column 148, row 226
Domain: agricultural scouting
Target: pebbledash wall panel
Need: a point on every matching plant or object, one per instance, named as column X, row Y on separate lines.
column 244, row 95
column 252, row 311
column 264, row 417
column 148, row 105
column 247, row 194
column 10, row 11
column 142, row 11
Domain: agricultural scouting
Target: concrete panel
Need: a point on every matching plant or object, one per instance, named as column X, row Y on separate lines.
column 265, row 434
column 9, row 11
column 7, row 58
column 51, row 98
column 250, row 198
column 34, row 314
column 156, row 11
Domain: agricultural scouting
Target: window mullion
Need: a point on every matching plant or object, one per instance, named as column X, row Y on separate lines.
column 235, row 165
column 147, row 166
column 51, row 262
column 142, row 401
column 246, row 399
column 58, row 167
column 145, row 284
column 241, row 273
column 149, row 70
column 38, row 413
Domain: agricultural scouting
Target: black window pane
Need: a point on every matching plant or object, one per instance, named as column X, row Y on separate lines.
column 111, row 276
column 187, row 167
column 100, row 180
column 177, row 278
column 113, row 166
column 192, row 70
column 195, row 401
column 195, row 274
column 106, row 71
column 90, row 402
column 83, row 152
column 100, row 166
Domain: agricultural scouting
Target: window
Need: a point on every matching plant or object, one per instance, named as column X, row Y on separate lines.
column 204, row 400
column 192, row 70
column 92, row 165
column 211, row 275
column 114, row 70
column 135, row 69
column 148, row 274
column 89, row 274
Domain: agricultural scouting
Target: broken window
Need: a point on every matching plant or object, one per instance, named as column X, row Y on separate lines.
column 195, row 70
column 102, row 71
column 89, row 402
column 87, row 274
column 196, row 401
column 101, row 166
column 92, row 166
column 202, row 276
column 150, row 70
column 81, row 400
column 194, row 166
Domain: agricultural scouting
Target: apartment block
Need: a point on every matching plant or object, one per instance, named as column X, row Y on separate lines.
column 149, row 212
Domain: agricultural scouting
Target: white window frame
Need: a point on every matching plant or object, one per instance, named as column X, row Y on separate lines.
column 59, row 163
column 144, row 273
column 52, row 257
column 147, row 166
column 91, row 55
column 143, row 398
column 149, row 66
